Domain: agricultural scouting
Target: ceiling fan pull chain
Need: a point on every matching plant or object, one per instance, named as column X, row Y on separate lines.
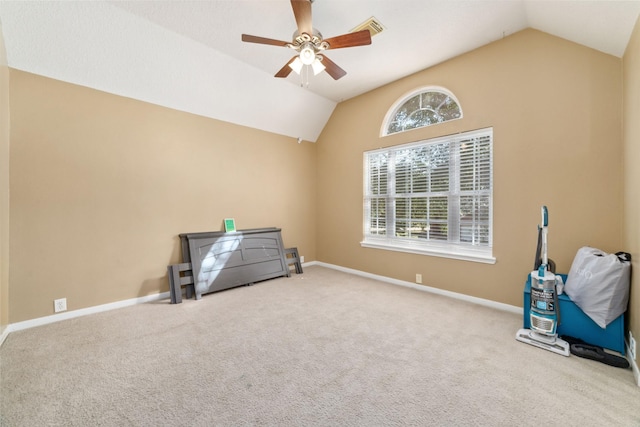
column 306, row 76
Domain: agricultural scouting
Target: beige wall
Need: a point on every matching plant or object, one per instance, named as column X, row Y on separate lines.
column 102, row 185
column 555, row 108
column 632, row 174
column 4, row 187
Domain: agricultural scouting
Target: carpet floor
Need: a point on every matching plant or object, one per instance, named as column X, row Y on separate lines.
column 323, row 348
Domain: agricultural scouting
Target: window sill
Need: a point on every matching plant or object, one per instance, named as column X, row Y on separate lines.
column 459, row 254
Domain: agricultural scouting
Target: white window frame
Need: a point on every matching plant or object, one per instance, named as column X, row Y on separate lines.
column 451, row 248
column 391, row 113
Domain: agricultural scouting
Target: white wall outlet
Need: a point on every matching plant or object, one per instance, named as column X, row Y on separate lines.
column 59, row 305
column 632, row 346
column 302, row 259
column 418, row 278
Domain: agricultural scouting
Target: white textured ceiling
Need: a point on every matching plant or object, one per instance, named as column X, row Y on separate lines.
column 188, row 55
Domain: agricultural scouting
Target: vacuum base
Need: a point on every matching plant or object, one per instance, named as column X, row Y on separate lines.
column 551, row 343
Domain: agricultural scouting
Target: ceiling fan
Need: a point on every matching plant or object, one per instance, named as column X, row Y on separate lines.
column 310, row 45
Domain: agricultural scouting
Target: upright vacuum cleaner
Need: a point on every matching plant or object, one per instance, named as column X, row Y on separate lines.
column 544, row 313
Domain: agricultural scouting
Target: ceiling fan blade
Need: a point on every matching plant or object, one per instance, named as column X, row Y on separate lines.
column 284, row 71
column 359, row 38
column 302, row 12
column 332, row 69
column 262, row 40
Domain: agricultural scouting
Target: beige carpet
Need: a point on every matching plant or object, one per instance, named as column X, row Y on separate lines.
column 323, row 348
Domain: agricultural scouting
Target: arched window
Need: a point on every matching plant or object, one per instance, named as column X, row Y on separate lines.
column 423, row 107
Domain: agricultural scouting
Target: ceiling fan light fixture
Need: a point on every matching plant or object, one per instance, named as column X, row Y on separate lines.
column 317, row 66
column 307, row 54
column 296, row 65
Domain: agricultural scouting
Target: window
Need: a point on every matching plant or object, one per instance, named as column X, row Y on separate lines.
column 424, row 107
column 432, row 197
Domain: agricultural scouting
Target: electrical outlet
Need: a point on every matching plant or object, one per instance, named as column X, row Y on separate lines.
column 632, row 346
column 59, row 305
column 418, row 278
column 302, row 259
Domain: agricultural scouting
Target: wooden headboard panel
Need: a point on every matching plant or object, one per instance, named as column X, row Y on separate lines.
column 223, row 260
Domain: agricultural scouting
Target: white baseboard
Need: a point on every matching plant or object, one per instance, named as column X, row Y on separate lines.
column 78, row 313
column 141, row 300
column 463, row 297
column 634, row 365
column 86, row 311
column 475, row 300
column 4, row 335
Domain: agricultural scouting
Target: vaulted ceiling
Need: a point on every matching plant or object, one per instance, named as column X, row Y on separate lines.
column 188, row 55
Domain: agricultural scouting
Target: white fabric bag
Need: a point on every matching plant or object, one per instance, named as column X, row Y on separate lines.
column 599, row 284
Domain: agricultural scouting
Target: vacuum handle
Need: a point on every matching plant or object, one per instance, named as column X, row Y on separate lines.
column 545, row 223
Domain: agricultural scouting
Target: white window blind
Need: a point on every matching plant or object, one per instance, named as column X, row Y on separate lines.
column 432, row 196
